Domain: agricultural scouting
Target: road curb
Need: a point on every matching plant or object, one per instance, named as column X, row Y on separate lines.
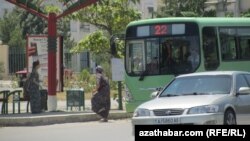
column 55, row 118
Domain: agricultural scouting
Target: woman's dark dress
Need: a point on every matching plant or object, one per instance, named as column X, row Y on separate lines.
column 101, row 100
column 35, row 97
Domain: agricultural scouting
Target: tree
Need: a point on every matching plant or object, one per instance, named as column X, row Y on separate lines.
column 9, row 26
column 110, row 17
column 17, row 24
column 16, row 39
column 187, row 8
column 31, row 24
column 246, row 14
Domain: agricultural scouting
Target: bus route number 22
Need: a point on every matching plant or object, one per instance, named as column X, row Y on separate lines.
column 160, row 29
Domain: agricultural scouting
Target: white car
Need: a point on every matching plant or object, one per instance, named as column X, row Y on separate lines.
column 215, row 97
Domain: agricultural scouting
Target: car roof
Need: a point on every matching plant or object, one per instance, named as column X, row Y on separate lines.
column 214, row 73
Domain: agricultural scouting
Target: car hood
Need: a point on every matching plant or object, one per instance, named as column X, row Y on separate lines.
column 181, row 101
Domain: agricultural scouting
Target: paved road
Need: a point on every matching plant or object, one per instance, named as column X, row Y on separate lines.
column 114, row 130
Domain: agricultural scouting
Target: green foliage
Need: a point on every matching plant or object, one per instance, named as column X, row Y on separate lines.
column 120, row 47
column 17, row 24
column 31, row 24
column 229, row 14
column 14, row 81
column 9, row 25
column 85, row 75
column 181, row 8
column 82, row 80
column 16, row 39
column 96, row 43
column 246, row 14
column 87, row 81
column 110, row 17
column 52, row 9
column 107, row 68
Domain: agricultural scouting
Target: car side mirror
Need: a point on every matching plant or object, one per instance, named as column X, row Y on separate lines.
column 244, row 90
column 156, row 92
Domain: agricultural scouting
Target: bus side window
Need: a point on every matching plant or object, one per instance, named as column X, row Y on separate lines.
column 245, row 48
column 228, row 43
column 210, row 47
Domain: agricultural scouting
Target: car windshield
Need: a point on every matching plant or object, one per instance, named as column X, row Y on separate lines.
column 198, row 85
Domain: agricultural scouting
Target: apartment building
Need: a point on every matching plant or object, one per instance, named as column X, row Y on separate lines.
column 229, row 6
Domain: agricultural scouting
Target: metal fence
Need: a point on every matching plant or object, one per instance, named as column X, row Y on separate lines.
column 17, row 57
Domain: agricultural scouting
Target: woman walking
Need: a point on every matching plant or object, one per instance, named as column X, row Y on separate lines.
column 101, row 95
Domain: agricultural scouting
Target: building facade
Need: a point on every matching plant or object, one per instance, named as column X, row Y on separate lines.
column 234, row 7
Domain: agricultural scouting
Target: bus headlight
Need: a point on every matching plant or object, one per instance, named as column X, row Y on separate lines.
column 204, row 109
column 141, row 112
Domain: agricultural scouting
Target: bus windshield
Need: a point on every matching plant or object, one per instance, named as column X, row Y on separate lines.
column 174, row 50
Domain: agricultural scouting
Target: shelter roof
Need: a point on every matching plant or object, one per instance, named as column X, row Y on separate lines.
column 66, row 6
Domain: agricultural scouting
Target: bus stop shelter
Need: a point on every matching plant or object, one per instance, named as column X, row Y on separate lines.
column 37, row 7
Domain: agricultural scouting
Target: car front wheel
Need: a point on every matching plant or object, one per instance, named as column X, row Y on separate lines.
column 229, row 118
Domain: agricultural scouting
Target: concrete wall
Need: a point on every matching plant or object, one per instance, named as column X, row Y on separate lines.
column 244, row 5
column 4, row 55
column 146, row 7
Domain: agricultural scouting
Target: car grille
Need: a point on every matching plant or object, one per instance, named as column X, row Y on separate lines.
column 168, row 112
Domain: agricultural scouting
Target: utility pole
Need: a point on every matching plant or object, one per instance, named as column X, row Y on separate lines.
column 113, row 50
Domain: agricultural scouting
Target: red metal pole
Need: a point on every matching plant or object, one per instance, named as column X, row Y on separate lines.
column 52, row 48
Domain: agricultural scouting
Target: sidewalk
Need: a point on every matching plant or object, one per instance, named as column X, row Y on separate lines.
column 62, row 115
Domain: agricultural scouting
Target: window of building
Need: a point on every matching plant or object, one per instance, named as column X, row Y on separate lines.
column 85, row 27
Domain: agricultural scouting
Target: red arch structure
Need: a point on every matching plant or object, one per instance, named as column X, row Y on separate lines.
column 36, row 7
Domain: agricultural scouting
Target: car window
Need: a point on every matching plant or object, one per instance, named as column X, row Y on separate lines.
column 241, row 82
column 199, row 85
column 248, row 79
